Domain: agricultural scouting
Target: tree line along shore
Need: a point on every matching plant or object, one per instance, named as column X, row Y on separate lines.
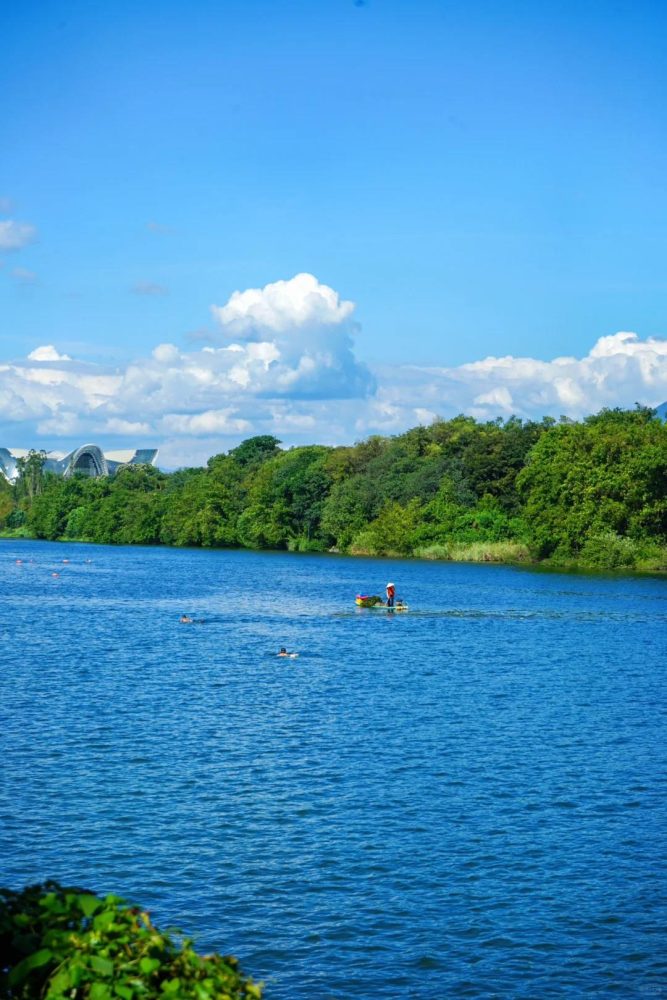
column 589, row 493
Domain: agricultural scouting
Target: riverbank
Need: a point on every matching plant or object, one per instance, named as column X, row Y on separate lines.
column 17, row 533
column 619, row 555
column 587, row 495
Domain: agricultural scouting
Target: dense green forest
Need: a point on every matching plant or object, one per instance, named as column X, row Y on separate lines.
column 592, row 493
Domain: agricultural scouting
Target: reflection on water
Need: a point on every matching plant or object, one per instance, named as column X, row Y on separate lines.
column 515, row 615
column 464, row 800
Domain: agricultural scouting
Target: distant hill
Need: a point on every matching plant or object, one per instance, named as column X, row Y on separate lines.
column 661, row 411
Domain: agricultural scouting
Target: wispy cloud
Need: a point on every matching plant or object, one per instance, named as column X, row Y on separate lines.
column 209, row 422
column 125, row 428
column 23, row 276
column 158, row 228
column 16, row 235
column 149, row 288
column 202, row 335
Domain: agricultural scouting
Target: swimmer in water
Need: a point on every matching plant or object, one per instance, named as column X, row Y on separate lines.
column 185, row 620
column 283, row 652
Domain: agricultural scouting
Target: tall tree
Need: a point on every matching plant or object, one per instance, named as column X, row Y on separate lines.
column 31, row 474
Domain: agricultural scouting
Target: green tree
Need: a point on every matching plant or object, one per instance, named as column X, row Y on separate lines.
column 254, row 451
column 202, row 506
column 351, row 504
column 286, row 496
column 392, row 532
column 607, row 474
column 6, row 501
column 30, row 475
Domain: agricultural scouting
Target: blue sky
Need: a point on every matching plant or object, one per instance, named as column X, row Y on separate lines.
column 477, row 178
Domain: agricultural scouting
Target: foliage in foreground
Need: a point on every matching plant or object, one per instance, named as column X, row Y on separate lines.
column 591, row 493
column 58, row 943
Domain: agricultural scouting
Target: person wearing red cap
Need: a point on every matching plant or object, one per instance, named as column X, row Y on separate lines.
column 391, row 593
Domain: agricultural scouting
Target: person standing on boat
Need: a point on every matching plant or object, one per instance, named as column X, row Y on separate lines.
column 391, row 594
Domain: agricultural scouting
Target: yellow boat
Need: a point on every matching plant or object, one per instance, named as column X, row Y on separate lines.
column 377, row 604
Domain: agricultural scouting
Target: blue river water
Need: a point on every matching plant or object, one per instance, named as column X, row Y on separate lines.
column 467, row 800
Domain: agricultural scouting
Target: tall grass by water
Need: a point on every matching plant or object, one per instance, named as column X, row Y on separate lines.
column 486, row 552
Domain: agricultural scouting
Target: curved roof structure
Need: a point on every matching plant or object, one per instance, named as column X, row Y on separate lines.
column 87, row 460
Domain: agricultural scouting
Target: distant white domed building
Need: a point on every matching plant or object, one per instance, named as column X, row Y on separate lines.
column 88, row 460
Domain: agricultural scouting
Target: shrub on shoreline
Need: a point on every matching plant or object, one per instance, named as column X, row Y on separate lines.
column 58, row 943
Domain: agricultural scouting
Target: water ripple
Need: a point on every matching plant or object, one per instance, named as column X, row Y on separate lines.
column 464, row 801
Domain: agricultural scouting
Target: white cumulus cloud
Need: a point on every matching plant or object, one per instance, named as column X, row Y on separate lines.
column 619, row 370
column 303, row 332
column 304, row 384
column 282, row 307
column 166, row 353
column 47, row 353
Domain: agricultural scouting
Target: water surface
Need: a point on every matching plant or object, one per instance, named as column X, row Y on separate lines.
column 463, row 801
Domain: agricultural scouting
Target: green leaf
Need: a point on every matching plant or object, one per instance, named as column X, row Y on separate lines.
column 148, row 965
column 25, row 967
column 171, row 985
column 124, row 992
column 103, row 920
column 101, row 965
column 100, row 991
column 59, row 984
column 112, row 900
column 51, row 903
column 77, row 973
column 89, row 904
